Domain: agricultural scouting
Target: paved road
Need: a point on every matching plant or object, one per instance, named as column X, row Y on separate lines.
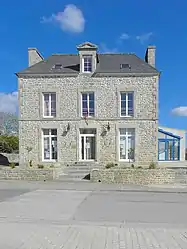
column 83, row 215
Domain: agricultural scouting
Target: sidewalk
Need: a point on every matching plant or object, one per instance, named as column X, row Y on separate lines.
column 89, row 186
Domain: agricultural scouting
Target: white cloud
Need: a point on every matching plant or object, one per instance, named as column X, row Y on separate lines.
column 144, row 37
column 180, row 111
column 71, row 19
column 124, row 36
column 106, row 50
column 9, row 102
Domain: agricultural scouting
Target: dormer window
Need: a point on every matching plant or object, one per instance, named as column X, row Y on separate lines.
column 87, row 64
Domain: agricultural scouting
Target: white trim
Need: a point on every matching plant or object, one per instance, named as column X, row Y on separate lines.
column 50, row 136
column 127, row 106
column 126, row 135
column 43, row 100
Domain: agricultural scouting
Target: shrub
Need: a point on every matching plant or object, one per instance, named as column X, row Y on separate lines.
column 40, row 166
column 152, row 165
column 132, row 166
column 30, row 163
column 9, row 144
column 140, row 167
column 52, row 166
column 109, row 165
column 12, row 165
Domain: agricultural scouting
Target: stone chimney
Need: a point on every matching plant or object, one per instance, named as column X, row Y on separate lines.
column 34, row 56
column 150, row 55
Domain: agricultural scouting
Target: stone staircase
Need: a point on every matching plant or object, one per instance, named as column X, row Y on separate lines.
column 78, row 171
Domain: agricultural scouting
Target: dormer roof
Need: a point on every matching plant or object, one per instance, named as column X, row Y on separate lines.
column 87, row 46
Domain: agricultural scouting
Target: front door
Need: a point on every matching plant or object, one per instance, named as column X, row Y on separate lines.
column 87, row 146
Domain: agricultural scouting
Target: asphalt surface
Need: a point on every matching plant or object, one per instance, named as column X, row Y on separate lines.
column 85, row 215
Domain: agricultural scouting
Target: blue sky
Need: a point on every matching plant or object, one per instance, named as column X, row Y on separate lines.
column 56, row 26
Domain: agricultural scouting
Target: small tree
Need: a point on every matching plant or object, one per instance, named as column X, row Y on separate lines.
column 8, row 124
column 29, row 149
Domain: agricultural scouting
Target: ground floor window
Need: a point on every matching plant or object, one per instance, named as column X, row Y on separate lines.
column 87, row 144
column 127, row 144
column 49, row 148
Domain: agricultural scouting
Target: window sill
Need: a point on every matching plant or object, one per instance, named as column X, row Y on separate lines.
column 49, row 161
column 126, row 116
column 88, row 117
column 48, row 118
column 126, row 161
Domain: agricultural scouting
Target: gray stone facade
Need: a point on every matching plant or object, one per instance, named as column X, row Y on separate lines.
column 107, row 104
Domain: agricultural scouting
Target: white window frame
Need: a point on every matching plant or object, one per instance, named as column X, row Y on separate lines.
column 126, row 135
column 83, row 58
column 127, row 106
column 50, row 145
column 50, row 110
column 80, row 146
column 88, row 104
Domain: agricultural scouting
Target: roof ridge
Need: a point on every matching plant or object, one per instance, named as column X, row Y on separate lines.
column 63, row 54
column 116, row 53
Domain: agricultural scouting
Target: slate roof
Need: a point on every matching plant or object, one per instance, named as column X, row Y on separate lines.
column 108, row 64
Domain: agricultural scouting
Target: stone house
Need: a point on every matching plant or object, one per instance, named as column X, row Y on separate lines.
column 89, row 108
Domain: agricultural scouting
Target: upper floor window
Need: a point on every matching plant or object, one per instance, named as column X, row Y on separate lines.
column 88, row 104
column 127, row 104
column 87, row 64
column 49, row 104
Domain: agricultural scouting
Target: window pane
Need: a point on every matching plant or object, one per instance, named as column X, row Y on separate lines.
column 46, row 131
column 123, row 148
column 46, row 97
column 130, row 96
column 84, row 104
column 123, row 108
column 54, row 132
column 176, row 150
column 54, row 148
column 91, row 108
column 131, row 147
column 122, row 131
column 53, row 109
column 131, row 131
column 84, row 96
column 46, row 148
column 123, row 96
column 53, row 97
column 91, row 96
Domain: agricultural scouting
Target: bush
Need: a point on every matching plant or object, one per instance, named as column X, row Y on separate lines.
column 140, row 167
column 132, row 166
column 109, row 165
column 152, row 165
column 9, row 144
column 30, row 163
column 40, row 166
column 12, row 165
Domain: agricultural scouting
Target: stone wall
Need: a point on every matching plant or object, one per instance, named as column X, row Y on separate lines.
column 107, row 110
column 140, row 176
column 28, row 174
column 12, row 157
